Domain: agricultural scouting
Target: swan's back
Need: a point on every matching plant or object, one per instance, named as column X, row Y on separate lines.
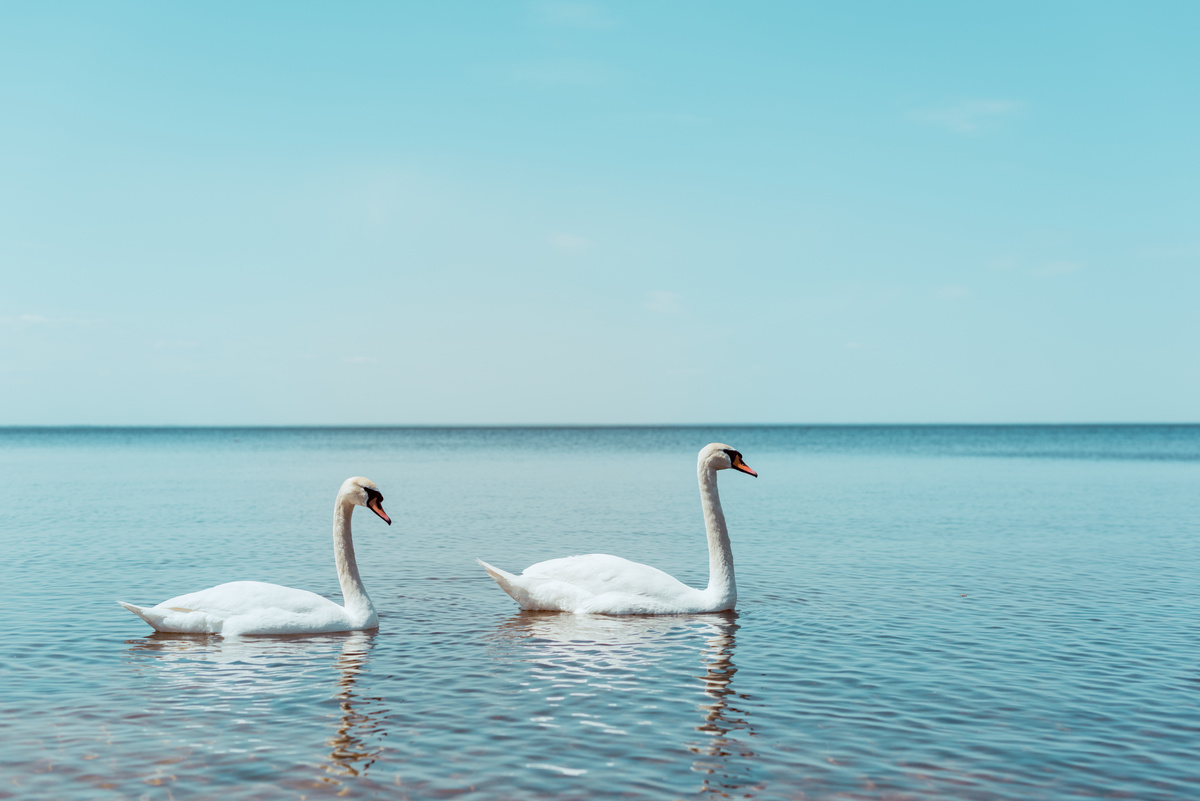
column 246, row 607
column 601, row 572
column 238, row 597
column 598, row 583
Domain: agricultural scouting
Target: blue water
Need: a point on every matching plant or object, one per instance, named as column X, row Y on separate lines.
column 925, row 612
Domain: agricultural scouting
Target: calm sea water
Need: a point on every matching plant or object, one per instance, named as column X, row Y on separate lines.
column 925, row 612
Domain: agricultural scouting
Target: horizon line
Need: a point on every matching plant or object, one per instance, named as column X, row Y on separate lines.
column 369, row 426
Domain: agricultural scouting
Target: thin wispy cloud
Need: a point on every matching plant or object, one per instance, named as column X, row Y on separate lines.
column 24, row 319
column 969, row 116
column 679, row 118
column 574, row 15
column 563, row 73
column 1057, row 268
column 951, row 292
column 1170, row 252
column 570, row 243
column 39, row 320
column 664, row 302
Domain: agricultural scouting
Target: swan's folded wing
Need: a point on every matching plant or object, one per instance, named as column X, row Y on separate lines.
column 598, row 574
column 597, row 583
column 245, row 607
column 241, row 597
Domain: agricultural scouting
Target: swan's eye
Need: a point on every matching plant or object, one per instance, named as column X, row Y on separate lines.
column 373, row 495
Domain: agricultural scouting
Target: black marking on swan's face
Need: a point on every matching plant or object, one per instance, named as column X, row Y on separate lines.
column 375, row 504
column 737, row 462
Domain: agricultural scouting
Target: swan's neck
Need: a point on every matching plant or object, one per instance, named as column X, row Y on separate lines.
column 720, row 556
column 354, row 595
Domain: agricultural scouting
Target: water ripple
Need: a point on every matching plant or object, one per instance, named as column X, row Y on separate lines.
column 917, row 620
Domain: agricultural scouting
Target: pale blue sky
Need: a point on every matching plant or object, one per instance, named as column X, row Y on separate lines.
column 558, row 212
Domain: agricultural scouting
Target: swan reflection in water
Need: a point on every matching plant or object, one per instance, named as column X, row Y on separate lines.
column 210, row 672
column 608, row 653
column 356, row 745
column 723, row 754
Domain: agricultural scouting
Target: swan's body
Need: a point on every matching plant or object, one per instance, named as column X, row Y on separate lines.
column 254, row 607
column 609, row 585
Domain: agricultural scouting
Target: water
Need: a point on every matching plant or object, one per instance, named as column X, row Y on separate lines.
column 925, row 612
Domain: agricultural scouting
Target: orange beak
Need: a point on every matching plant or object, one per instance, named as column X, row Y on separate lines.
column 738, row 464
column 377, row 507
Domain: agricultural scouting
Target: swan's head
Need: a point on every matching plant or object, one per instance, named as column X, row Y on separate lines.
column 722, row 457
column 363, row 492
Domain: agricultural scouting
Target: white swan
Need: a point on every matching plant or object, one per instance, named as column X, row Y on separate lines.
column 253, row 607
column 609, row 585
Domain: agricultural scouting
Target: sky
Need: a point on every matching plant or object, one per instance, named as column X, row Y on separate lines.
column 304, row 213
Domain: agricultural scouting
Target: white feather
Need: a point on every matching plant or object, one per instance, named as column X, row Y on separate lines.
column 254, row 607
column 603, row 584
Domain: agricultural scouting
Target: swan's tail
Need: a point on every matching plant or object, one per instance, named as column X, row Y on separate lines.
column 508, row 583
column 499, row 575
column 155, row 619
